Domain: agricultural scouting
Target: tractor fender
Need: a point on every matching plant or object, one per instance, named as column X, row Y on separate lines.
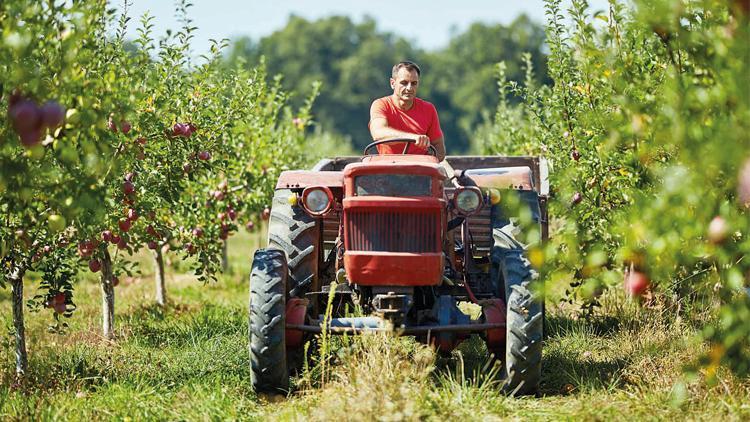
column 292, row 179
column 517, row 178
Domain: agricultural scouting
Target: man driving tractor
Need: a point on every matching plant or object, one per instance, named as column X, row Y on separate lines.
column 403, row 115
column 405, row 238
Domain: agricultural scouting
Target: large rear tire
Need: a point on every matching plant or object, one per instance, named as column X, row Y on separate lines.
column 523, row 356
column 293, row 231
column 524, row 314
column 267, row 322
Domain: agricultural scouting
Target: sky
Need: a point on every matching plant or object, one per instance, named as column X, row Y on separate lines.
column 429, row 24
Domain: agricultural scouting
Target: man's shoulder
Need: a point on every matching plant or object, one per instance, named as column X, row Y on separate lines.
column 424, row 104
column 382, row 100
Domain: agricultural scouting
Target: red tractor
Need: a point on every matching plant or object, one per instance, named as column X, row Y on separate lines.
column 406, row 239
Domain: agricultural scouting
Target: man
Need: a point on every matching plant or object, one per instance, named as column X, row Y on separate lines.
column 403, row 115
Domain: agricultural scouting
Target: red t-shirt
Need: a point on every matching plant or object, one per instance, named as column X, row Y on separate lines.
column 421, row 119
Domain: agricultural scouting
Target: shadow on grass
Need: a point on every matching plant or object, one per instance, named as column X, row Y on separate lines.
column 602, row 326
column 563, row 374
column 181, row 325
column 565, row 370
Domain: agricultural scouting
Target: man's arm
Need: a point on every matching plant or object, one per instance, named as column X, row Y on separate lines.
column 380, row 130
column 439, row 145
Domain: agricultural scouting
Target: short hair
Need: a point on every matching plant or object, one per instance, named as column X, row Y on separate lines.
column 410, row 66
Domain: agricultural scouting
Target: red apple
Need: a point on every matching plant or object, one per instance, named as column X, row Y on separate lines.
column 190, row 248
column 250, row 226
column 128, row 187
column 218, row 195
column 204, row 155
column 115, row 239
column 15, row 97
column 95, row 265
column 576, row 199
column 180, row 129
column 31, row 137
column 125, row 126
column 115, row 281
column 52, row 114
column 111, row 125
column 187, row 167
column 132, row 214
column 107, row 236
column 575, row 155
column 25, row 116
column 140, row 140
column 266, row 213
column 85, row 249
column 151, row 230
column 122, row 244
column 124, row 225
column 223, row 235
column 58, row 298
column 636, row 283
column 232, row 214
column 743, row 185
column 198, row 232
column 718, row 229
column 152, row 245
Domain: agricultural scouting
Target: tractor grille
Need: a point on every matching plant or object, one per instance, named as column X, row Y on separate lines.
column 388, row 231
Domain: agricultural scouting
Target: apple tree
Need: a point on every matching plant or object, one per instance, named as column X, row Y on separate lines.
column 646, row 128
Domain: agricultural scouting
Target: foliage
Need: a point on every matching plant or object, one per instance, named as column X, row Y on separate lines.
column 189, row 361
column 646, row 127
column 114, row 146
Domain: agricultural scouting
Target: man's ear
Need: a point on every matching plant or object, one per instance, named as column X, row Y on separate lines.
column 393, row 83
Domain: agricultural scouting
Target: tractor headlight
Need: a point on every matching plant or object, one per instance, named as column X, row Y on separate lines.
column 468, row 200
column 317, row 200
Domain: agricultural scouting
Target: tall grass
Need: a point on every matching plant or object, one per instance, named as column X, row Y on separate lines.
column 188, row 361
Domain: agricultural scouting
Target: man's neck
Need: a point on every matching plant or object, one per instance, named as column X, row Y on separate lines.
column 402, row 104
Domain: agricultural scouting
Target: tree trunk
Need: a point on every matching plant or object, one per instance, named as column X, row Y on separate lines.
column 16, row 281
column 108, row 298
column 161, row 287
column 224, row 256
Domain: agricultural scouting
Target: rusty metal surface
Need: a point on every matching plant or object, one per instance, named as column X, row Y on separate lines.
column 517, row 178
column 393, row 269
column 424, row 329
column 304, row 178
column 479, row 162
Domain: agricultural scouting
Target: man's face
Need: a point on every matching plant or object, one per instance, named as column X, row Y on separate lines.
column 405, row 84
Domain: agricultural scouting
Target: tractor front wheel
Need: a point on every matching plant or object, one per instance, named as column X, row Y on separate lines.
column 267, row 322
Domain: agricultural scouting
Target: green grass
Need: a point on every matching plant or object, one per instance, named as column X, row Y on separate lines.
column 189, row 361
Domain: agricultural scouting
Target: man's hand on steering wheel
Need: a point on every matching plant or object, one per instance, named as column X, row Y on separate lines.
column 431, row 150
column 422, row 141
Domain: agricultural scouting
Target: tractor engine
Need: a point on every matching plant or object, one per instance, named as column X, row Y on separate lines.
column 394, row 219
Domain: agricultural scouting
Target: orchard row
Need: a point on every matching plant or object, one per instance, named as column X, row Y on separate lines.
column 646, row 123
column 107, row 148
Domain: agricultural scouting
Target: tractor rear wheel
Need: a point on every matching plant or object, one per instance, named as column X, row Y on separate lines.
column 523, row 356
column 267, row 322
column 292, row 230
column 524, row 314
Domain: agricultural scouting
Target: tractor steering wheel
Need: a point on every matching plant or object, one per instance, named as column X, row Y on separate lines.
column 430, row 149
